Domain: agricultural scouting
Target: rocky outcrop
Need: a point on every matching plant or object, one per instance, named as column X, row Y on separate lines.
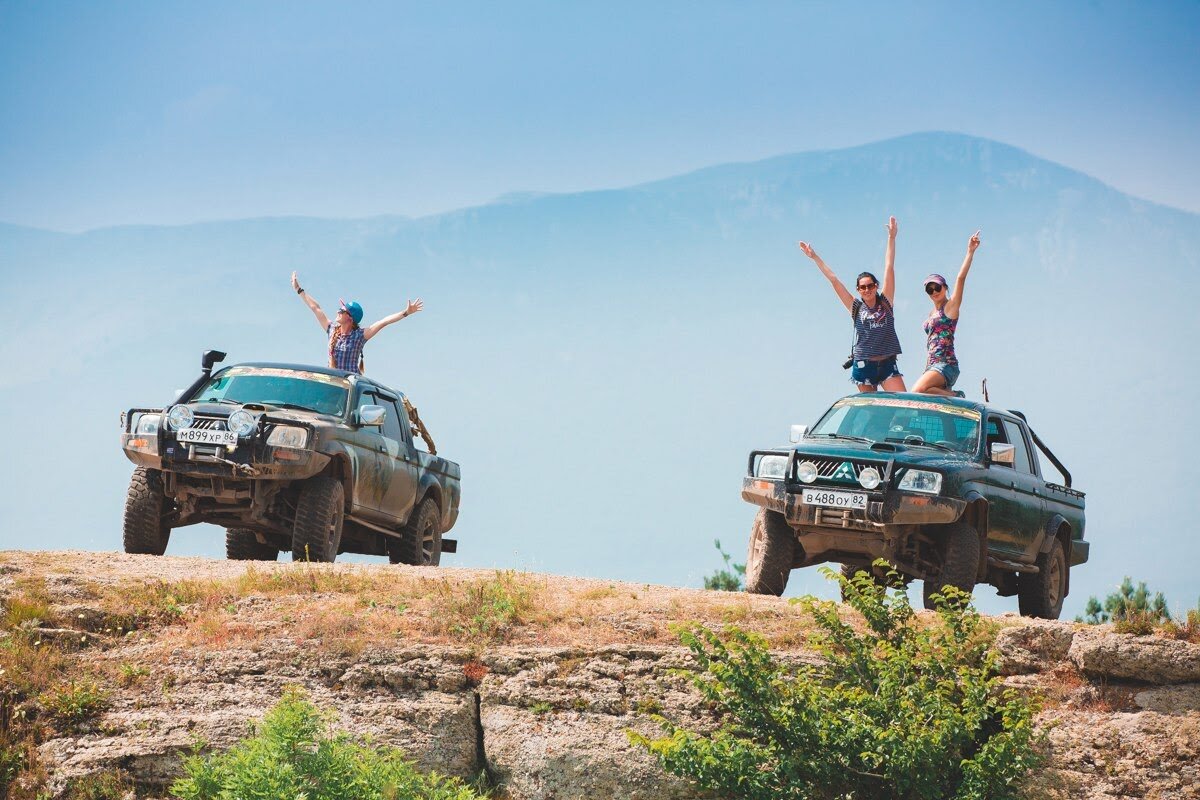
column 1122, row 713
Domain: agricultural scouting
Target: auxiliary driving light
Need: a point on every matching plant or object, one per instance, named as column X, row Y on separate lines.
column 242, row 422
column 869, row 478
column 180, row 418
column 806, row 471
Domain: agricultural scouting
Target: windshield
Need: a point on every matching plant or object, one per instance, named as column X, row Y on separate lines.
column 904, row 421
column 325, row 394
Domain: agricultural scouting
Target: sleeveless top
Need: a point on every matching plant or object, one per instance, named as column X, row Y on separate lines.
column 939, row 330
column 347, row 352
column 875, row 330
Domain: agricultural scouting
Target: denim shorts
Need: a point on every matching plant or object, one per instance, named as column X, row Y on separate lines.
column 875, row 372
column 949, row 372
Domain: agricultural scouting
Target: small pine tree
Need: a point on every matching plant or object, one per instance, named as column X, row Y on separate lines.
column 1128, row 605
column 724, row 580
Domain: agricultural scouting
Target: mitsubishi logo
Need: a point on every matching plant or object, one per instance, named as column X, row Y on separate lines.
column 844, row 473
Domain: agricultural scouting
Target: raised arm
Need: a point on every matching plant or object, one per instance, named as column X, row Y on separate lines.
column 955, row 302
column 842, row 293
column 375, row 327
column 322, row 320
column 889, row 262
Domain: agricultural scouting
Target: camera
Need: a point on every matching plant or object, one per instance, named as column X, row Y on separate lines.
column 849, row 362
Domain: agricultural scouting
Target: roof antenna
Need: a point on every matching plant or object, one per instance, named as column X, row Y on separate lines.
column 985, row 393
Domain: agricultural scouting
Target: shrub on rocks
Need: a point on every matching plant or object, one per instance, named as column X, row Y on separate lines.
column 293, row 755
column 900, row 709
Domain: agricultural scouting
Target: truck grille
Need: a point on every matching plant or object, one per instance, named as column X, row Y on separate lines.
column 210, row 423
column 827, row 468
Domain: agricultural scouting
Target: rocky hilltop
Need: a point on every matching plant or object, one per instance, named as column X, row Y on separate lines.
column 529, row 681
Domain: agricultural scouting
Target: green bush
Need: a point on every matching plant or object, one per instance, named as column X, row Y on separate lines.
column 292, row 755
column 725, row 580
column 904, row 709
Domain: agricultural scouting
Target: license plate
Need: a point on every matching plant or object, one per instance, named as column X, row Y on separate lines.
column 831, row 499
column 206, row 436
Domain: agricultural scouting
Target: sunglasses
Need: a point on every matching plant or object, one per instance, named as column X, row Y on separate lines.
column 862, row 287
column 933, row 288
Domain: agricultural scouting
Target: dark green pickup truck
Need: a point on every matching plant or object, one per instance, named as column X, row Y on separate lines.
column 949, row 491
column 288, row 457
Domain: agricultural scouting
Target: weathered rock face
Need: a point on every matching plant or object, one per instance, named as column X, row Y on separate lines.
column 1122, row 712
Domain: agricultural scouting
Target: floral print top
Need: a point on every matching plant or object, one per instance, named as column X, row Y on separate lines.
column 939, row 330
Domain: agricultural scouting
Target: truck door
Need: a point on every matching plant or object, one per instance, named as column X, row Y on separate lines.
column 1004, row 512
column 401, row 493
column 1028, row 489
column 373, row 471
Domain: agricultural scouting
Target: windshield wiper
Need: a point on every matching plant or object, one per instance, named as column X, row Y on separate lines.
column 294, row 406
column 922, row 443
column 218, row 400
column 850, row 438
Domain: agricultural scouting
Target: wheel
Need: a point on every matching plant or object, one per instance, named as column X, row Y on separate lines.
column 318, row 528
column 960, row 562
column 420, row 542
column 145, row 530
column 1042, row 594
column 242, row 544
column 770, row 554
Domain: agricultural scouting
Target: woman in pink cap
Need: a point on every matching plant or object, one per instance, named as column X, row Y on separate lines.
column 346, row 338
column 941, row 364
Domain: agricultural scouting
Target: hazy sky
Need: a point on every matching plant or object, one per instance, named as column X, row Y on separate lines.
column 151, row 112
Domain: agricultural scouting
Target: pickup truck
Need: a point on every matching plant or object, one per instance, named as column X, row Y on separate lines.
column 946, row 490
column 288, row 457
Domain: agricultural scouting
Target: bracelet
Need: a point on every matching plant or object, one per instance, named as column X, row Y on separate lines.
column 299, row 290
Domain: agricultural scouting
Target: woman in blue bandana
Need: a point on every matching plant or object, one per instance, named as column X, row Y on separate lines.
column 346, row 338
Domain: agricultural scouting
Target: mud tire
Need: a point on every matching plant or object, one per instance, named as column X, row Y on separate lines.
column 770, row 554
column 144, row 530
column 420, row 542
column 241, row 544
column 960, row 562
column 1042, row 595
column 317, row 532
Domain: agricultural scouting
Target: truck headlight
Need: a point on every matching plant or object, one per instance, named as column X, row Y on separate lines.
column 180, row 418
column 806, row 472
column 771, row 467
column 288, row 436
column 147, row 424
column 919, row 480
column 242, row 422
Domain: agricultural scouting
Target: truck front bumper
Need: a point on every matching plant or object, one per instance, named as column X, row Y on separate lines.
column 246, row 462
column 883, row 508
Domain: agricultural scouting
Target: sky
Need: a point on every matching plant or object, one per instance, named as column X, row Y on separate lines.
column 168, row 113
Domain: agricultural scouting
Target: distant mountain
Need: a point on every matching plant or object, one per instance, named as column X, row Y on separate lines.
column 601, row 362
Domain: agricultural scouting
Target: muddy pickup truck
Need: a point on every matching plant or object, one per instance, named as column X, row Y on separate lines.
column 287, row 457
column 948, row 491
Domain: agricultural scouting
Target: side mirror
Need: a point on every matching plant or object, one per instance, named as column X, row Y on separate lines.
column 1005, row 454
column 211, row 357
column 370, row 415
column 797, row 433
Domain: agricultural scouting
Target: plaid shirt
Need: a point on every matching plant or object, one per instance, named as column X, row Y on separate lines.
column 347, row 353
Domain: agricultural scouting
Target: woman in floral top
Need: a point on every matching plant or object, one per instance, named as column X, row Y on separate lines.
column 346, row 338
column 941, row 364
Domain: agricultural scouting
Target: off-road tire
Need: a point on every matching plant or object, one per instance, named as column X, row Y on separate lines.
column 960, row 562
column 241, row 544
column 145, row 531
column 770, row 553
column 420, row 542
column 1042, row 594
column 317, row 532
